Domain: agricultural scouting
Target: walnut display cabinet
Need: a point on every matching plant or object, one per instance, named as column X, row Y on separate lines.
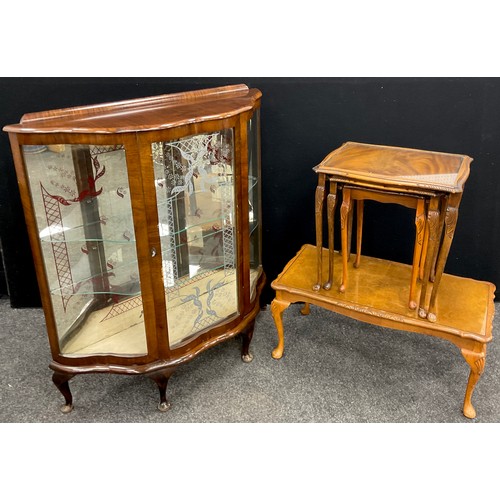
column 144, row 221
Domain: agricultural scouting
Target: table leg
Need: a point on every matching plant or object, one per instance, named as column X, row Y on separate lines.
column 306, row 309
column 450, row 222
column 359, row 231
column 349, row 232
column 319, row 201
column 417, row 252
column 331, row 202
column 423, row 256
column 433, row 224
column 277, row 308
column 345, row 210
column 444, row 203
column 476, row 360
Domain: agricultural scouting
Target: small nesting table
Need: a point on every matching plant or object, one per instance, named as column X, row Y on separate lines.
column 393, row 172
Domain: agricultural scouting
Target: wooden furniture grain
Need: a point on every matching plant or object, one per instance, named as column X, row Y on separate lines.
column 144, row 221
column 437, row 177
column 359, row 195
column 376, row 296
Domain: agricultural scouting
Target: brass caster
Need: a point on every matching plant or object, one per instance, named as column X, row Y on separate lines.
column 412, row 305
column 164, row 406
column 66, row 408
column 327, row 285
column 342, row 288
column 422, row 313
column 317, row 287
column 247, row 358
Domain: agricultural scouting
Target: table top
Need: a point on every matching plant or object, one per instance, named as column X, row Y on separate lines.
column 378, row 291
column 397, row 166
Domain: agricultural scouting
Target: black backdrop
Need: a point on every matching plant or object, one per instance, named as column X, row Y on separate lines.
column 303, row 119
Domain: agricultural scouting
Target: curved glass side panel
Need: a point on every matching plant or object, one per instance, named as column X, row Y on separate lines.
column 84, row 219
column 196, row 214
column 254, row 212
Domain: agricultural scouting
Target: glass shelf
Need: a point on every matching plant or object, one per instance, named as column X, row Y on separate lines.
column 111, row 293
column 118, row 277
column 209, row 233
column 119, row 223
column 197, row 192
column 165, row 230
column 90, row 240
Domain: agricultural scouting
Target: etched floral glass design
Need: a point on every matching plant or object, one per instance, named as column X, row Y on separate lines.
column 84, row 220
column 254, row 212
column 196, row 214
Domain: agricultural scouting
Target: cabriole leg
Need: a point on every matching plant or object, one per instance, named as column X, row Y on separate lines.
column 246, row 336
column 476, row 361
column 417, row 252
column 359, row 231
column 319, row 201
column 349, row 232
column 277, row 308
column 450, row 221
column 423, row 255
column 345, row 211
column 61, row 382
column 331, row 202
column 161, row 379
column 433, row 224
column 444, row 203
column 306, row 309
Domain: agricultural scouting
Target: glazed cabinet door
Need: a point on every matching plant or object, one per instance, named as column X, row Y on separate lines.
column 84, row 223
column 254, row 201
column 194, row 179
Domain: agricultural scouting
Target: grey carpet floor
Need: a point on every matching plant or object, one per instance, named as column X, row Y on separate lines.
column 335, row 369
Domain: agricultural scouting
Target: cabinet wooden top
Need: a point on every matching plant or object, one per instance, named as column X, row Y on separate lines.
column 144, row 114
column 395, row 166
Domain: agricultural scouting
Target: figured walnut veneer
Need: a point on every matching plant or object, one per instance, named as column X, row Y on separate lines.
column 143, row 114
column 395, row 166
